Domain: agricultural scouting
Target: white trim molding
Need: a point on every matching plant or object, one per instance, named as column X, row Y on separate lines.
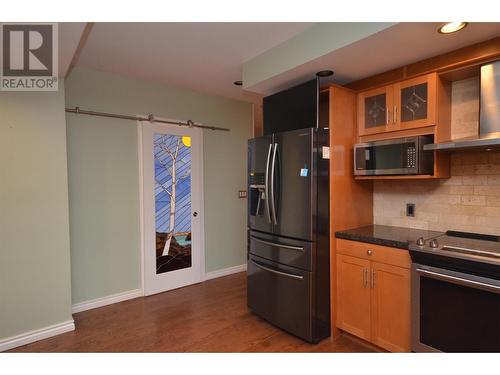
column 107, row 300
column 141, row 201
column 36, row 335
column 225, row 272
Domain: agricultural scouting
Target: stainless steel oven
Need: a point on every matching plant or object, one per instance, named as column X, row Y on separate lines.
column 454, row 311
column 400, row 156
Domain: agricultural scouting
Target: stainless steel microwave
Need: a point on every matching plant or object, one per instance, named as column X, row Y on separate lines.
column 400, row 156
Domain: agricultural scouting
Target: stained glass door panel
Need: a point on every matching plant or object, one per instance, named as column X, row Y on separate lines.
column 415, row 104
column 172, row 158
column 172, row 198
column 374, row 110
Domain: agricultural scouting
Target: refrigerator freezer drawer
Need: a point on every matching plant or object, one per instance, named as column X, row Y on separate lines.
column 281, row 295
column 286, row 251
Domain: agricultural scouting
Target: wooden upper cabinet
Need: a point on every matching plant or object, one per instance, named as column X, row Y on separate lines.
column 390, row 307
column 353, row 296
column 374, row 111
column 404, row 105
column 415, row 102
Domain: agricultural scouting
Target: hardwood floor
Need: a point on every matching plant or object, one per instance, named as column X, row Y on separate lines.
column 207, row 317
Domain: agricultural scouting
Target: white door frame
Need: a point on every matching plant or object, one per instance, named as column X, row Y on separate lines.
column 201, row 213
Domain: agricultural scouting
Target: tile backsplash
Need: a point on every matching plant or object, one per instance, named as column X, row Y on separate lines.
column 465, row 108
column 469, row 200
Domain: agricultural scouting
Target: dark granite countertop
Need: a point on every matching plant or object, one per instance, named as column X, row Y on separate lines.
column 385, row 235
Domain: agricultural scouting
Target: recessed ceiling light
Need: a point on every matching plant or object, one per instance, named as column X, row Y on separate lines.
column 238, row 83
column 452, row 27
column 324, row 73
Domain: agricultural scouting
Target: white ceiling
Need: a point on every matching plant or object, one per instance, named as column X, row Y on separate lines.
column 69, row 37
column 399, row 45
column 205, row 57
column 208, row 57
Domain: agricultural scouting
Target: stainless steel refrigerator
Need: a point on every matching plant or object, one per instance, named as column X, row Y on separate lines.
column 288, row 231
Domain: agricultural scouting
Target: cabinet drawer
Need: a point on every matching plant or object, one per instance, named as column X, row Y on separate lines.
column 377, row 253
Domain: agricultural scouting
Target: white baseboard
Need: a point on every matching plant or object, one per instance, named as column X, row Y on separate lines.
column 57, row 329
column 38, row 334
column 119, row 297
column 225, row 272
column 107, row 300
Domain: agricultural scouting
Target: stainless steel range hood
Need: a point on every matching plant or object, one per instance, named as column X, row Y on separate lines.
column 489, row 116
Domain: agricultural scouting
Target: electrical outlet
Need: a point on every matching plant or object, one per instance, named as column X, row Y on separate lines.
column 242, row 193
column 410, row 209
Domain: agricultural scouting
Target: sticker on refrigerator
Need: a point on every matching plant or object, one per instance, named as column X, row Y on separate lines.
column 304, row 172
column 325, row 152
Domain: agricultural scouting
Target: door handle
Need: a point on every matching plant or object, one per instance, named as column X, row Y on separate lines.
column 372, row 281
column 395, row 114
column 298, row 248
column 460, row 281
column 291, row 275
column 273, row 168
column 266, row 184
column 365, row 277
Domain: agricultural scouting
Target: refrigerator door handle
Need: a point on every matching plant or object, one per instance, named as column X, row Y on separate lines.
column 273, row 169
column 275, row 244
column 266, row 184
column 298, row 277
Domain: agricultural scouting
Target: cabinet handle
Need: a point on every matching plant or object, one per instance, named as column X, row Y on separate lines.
column 387, row 115
column 369, row 252
column 365, row 277
column 372, row 281
column 395, row 117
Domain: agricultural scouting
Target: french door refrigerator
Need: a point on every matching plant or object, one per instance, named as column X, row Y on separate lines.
column 288, row 231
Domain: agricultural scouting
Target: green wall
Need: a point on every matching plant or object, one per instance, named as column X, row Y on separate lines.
column 35, row 289
column 104, row 180
column 314, row 42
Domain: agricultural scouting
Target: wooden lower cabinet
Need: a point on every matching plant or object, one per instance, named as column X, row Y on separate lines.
column 373, row 298
column 353, row 309
column 390, row 307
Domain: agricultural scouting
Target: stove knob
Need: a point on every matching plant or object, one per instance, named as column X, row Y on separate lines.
column 433, row 243
column 420, row 241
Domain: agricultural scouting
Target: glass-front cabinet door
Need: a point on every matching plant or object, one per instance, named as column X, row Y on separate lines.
column 415, row 102
column 374, row 110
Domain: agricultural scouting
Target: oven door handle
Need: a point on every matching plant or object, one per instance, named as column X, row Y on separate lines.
column 460, row 281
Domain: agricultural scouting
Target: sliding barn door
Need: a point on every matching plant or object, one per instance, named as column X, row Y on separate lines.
column 172, row 204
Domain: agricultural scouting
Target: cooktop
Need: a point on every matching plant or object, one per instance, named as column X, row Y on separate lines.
column 475, row 247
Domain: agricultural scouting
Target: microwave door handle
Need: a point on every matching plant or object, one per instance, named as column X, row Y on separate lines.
column 273, row 175
column 266, row 184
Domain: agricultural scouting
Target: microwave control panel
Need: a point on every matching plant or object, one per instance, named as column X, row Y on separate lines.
column 411, row 157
